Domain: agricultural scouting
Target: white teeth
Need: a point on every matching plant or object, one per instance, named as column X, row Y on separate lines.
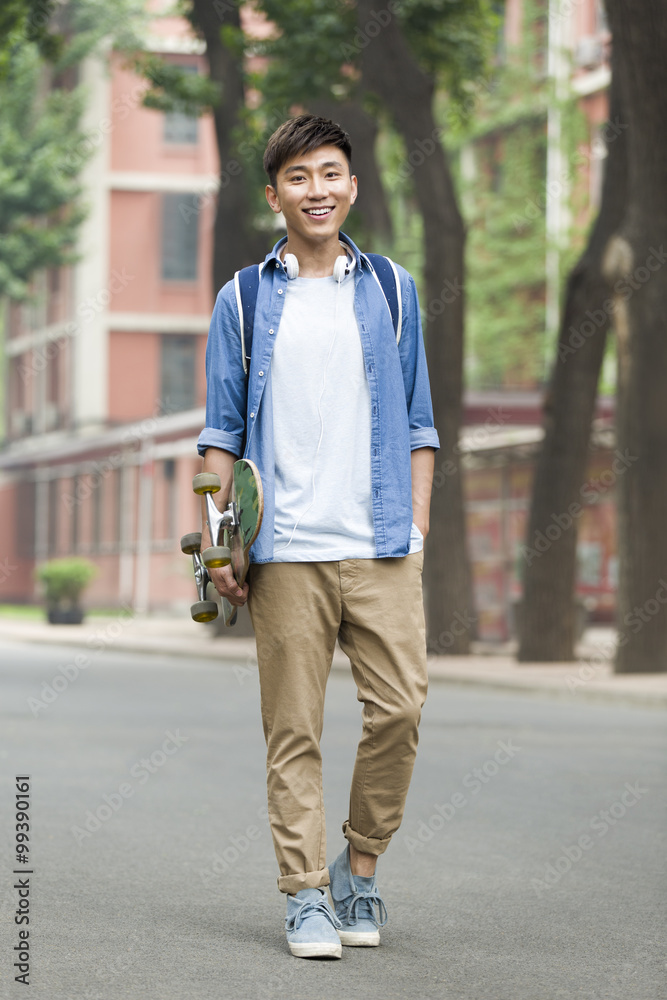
column 318, row 211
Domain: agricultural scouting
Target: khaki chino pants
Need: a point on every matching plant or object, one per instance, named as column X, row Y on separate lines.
column 374, row 607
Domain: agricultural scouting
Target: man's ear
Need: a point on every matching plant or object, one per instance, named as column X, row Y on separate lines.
column 355, row 191
column 273, row 199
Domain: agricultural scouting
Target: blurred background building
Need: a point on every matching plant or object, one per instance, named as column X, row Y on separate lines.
column 105, row 382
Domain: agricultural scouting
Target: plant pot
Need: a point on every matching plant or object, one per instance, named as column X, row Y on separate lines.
column 63, row 581
column 65, row 616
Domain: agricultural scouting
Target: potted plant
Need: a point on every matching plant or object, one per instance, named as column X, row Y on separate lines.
column 64, row 580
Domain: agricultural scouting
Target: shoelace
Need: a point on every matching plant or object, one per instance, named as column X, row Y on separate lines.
column 307, row 909
column 369, row 898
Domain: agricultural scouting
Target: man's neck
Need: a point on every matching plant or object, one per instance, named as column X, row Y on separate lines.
column 315, row 261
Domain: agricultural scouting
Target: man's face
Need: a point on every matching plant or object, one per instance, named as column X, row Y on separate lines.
column 314, row 191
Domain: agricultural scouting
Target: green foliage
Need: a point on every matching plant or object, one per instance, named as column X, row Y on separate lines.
column 28, row 21
column 39, row 214
column 502, row 151
column 65, row 579
column 505, row 257
column 451, row 40
column 42, row 147
column 94, row 27
column 316, row 50
column 408, row 243
column 172, row 88
column 608, row 384
column 307, row 51
column 66, row 32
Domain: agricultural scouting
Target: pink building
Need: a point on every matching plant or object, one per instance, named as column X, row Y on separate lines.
column 105, row 381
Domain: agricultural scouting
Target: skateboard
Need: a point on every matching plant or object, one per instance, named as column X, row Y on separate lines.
column 232, row 532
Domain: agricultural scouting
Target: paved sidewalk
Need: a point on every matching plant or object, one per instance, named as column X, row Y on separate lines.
column 591, row 677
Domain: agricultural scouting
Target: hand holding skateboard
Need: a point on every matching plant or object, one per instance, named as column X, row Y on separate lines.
column 232, row 533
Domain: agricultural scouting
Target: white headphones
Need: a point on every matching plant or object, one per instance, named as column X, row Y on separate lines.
column 342, row 266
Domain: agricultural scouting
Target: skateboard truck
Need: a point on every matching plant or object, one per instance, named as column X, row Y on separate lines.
column 206, row 484
column 202, row 610
column 218, row 554
column 232, row 533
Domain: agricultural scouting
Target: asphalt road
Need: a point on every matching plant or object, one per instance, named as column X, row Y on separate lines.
column 530, row 864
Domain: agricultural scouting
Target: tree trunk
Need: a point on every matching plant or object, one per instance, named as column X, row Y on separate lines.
column 390, row 70
column 548, row 559
column 236, row 241
column 636, row 259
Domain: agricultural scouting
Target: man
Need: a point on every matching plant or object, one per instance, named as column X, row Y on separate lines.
column 336, row 413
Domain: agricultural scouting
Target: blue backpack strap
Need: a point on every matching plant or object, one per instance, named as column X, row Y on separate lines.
column 387, row 275
column 246, row 286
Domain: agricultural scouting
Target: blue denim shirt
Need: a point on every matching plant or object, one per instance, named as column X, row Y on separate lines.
column 401, row 410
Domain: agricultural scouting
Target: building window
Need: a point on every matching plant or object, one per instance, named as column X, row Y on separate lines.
column 118, row 539
column 181, row 129
column 164, row 501
column 25, row 519
column 177, row 379
column 180, row 237
column 97, row 514
column 21, row 371
column 52, row 517
column 170, row 498
column 72, row 502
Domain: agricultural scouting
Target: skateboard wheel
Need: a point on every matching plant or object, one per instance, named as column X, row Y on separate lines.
column 206, row 482
column 216, row 556
column 191, row 543
column 204, row 611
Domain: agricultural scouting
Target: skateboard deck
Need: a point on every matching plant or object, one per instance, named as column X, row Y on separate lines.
column 248, row 496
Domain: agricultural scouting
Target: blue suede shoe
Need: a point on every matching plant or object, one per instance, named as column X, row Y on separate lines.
column 311, row 925
column 353, row 898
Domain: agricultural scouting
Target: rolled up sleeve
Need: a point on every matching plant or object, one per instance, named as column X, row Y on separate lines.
column 226, row 383
column 415, row 371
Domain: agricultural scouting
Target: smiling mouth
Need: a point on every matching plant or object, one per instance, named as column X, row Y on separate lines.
column 318, row 212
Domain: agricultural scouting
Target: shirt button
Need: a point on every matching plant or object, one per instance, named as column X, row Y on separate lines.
column 280, row 291
column 252, row 414
column 271, row 330
column 260, row 373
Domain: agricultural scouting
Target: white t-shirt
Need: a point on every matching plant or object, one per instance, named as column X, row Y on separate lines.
column 322, row 428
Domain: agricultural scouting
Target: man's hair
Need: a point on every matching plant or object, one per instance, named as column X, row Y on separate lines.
column 302, row 134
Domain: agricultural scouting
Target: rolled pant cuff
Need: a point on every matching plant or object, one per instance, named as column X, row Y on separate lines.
column 305, row 880
column 367, row 845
